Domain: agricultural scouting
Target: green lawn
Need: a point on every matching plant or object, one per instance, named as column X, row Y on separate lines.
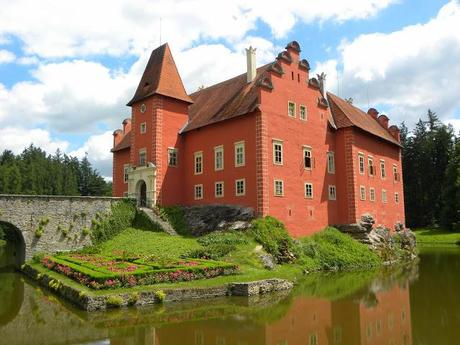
column 437, row 237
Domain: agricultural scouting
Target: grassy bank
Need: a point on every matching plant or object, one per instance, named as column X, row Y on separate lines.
column 437, row 237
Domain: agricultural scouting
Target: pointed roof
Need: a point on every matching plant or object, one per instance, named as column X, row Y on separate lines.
column 161, row 77
column 347, row 115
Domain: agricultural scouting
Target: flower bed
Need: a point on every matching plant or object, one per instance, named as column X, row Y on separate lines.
column 102, row 272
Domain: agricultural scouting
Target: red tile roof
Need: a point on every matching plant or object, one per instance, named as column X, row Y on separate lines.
column 160, row 77
column 124, row 143
column 223, row 101
column 347, row 115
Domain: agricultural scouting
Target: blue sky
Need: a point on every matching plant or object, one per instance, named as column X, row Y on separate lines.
column 67, row 68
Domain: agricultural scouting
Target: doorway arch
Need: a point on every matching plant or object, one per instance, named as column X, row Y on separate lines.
column 141, row 193
column 13, row 252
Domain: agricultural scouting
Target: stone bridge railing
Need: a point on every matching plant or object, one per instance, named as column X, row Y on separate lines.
column 51, row 223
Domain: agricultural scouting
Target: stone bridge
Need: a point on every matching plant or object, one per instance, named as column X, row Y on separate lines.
column 49, row 223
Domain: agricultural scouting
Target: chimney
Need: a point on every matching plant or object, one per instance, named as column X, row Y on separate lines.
column 251, row 63
column 126, row 125
column 394, row 131
column 117, row 136
column 383, row 120
column 373, row 112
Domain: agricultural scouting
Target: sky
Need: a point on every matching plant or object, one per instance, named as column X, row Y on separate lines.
column 68, row 68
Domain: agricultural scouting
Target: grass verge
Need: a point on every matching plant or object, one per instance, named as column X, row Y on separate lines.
column 437, row 237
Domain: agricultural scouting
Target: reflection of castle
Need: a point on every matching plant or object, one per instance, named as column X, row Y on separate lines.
column 384, row 319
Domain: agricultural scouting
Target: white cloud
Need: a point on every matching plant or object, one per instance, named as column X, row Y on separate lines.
column 28, row 60
column 6, row 56
column 407, row 71
column 52, row 28
column 16, row 139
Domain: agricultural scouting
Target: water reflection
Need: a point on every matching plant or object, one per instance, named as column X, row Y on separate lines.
column 372, row 307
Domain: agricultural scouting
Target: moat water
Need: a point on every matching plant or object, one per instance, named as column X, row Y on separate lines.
column 416, row 305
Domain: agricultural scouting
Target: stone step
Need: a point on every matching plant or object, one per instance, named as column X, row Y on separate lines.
column 166, row 226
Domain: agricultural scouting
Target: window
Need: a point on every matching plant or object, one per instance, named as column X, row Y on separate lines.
column 199, row 338
column 219, row 189
column 330, row 163
column 309, row 190
column 125, row 173
column 307, row 161
column 370, row 162
column 143, row 127
column 383, row 173
column 239, row 154
column 240, row 187
column 397, row 198
column 291, row 109
column 362, row 192
column 395, row 173
column 279, row 188
column 332, row 193
column 371, row 194
column 277, row 152
column 314, row 339
column 361, row 163
column 142, row 157
column 219, row 158
column 303, row 112
column 384, row 196
column 172, row 157
column 198, row 191
column 198, row 163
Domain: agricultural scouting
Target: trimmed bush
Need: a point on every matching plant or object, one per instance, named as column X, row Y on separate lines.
column 273, row 236
column 233, row 238
column 212, row 251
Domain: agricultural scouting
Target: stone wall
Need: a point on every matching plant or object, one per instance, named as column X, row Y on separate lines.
column 65, row 221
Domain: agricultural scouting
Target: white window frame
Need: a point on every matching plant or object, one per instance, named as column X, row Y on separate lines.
column 275, row 190
column 361, row 167
column 384, row 196
column 215, row 189
column 305, row 190
column 243, row 193
column 331, row 159
column 332, row 192
column 142, row 151
column 196, row 155
column 278, row 142
column 370, row 163
column 303, row 117
column 237, row 145
column 396, row 198
column 125, row 173
column 383, row 172
column 304, row 150
column 218, row 149
column 396, row 177
column 143, row 128
column 173, row 151
column 195, row 189
column 372, row 194
column 362, row 193
column 289, row 109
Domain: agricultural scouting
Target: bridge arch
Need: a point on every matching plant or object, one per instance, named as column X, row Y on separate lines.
column 14, row 252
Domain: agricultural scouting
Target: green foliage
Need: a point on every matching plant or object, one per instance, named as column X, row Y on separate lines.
column 2, row 233
column 273, row 236
column 85, row 231
column 436, row 236
column 175, row 216
column 114, row 301
column 228, row 237
column 133, row 298
column 213, row 251
column 37, row 257
column 36, row 173
column 144, row 222
column 122, row 217
column 332, row 250
column 160, row 296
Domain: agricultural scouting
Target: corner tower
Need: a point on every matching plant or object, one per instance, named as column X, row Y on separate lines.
column 159, row 110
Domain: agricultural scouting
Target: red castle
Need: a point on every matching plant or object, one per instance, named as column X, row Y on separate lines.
column 270, row 139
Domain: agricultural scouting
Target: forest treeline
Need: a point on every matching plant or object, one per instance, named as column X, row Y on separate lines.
column 431, row 172
column 34, row 172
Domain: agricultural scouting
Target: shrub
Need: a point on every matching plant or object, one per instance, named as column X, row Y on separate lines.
column 273, row 236
column 114, row 301
column 333, row 250
column 212, row 251
column 38, row 257
column 122, row 216
column 133, row 298
column 229, row 237
column 144, row 222
column 160, row 296
column 175, row 216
